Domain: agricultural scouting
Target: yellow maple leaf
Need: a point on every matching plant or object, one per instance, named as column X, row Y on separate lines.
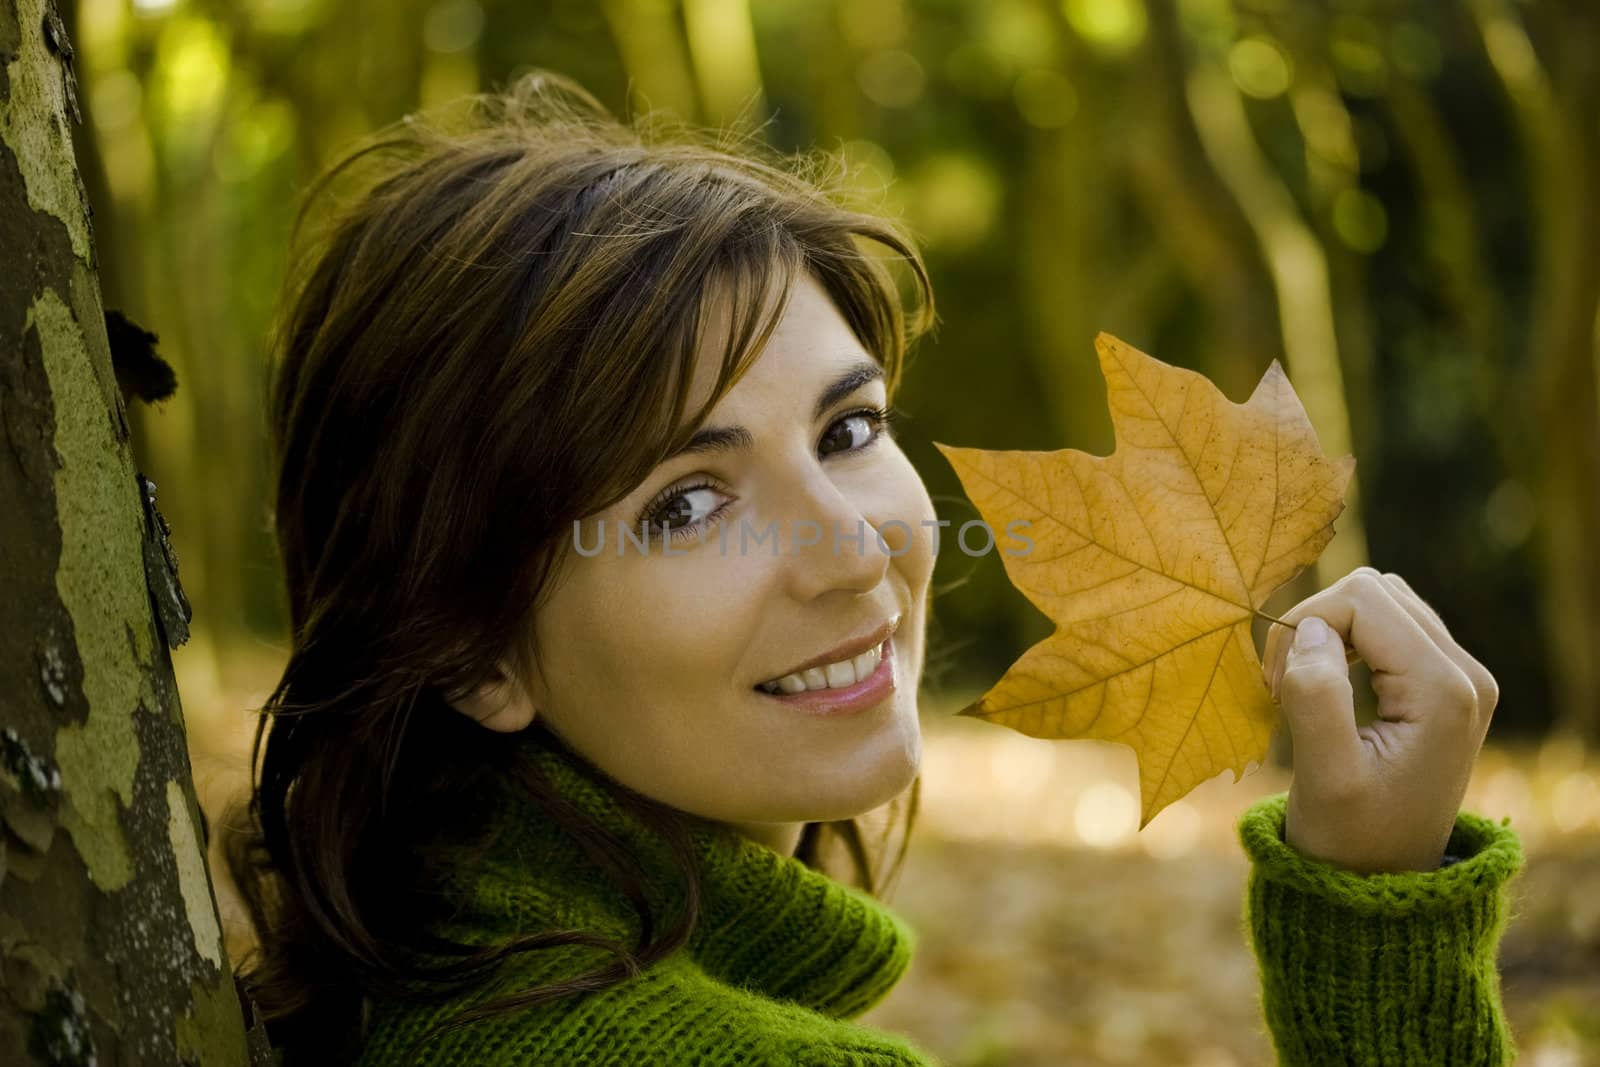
column 1152, row 561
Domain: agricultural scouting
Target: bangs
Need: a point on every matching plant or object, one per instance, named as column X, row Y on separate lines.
column 740, row 305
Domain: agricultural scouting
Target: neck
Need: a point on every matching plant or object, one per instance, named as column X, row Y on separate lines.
column 781, row 837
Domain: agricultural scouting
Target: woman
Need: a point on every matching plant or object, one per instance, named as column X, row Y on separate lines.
column 570, row 758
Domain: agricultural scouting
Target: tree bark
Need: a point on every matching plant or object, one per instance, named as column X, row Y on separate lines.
column 109, row 936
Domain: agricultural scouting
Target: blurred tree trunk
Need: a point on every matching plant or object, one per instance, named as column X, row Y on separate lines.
column 1299, row 268
column 109, row 936
column 1554, row 98
column 650, row 38
column 1193, row 209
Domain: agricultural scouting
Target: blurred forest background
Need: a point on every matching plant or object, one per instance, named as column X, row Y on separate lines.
column 1398, row 200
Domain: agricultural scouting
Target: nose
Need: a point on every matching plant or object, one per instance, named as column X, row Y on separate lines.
column 830, row 543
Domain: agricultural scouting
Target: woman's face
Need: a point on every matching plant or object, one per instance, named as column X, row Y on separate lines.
column 653, row 662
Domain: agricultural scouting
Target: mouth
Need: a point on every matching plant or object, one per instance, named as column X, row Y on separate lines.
column 870, row 690
column 841, row 667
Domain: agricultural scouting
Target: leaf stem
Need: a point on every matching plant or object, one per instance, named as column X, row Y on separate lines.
column 1350, row 654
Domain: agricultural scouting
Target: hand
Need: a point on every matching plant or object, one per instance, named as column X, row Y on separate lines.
column 1382, row 797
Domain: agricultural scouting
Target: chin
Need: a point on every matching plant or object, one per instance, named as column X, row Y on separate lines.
column 864, row 788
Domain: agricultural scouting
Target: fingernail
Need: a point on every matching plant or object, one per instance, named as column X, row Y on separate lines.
column 1311, row 633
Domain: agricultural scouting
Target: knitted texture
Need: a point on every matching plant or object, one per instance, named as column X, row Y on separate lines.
column 782, row 958
column 1388, row 969
column 1381, row 969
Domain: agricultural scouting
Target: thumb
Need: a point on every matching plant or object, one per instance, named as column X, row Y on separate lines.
column 1318, row 702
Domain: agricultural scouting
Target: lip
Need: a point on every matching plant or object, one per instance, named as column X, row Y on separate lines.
column 867, row 693
column 849, row 649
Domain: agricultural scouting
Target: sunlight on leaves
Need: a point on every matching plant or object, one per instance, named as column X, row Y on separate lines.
column 1020, row 34
column 1112, row 26
column 193, row 68
column 1045, row 98
column 956, row 199
column 891, row 78
column 1259, row 68
column 1360, row 220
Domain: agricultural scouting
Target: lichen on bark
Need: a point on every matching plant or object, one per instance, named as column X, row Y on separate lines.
column 36, row 75
column 100, row 580
column 109, row 937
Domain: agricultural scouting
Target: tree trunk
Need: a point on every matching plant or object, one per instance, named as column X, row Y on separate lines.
column 109, row 936
column 1554, row 99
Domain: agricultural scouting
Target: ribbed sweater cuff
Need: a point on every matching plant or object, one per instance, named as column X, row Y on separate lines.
column 1385, row 968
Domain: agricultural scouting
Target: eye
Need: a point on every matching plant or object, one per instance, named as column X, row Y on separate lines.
column 862, row 427
column 681, row 509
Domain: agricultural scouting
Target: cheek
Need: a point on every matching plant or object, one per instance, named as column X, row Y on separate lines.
column 659, row 630
column 911, row 505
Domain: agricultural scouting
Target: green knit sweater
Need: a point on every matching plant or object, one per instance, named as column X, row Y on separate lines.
column 1387, row 969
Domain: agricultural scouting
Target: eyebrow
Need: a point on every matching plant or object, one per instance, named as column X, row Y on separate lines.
column 715, row 439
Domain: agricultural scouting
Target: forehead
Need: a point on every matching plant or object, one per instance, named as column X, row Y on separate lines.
column 810, row 343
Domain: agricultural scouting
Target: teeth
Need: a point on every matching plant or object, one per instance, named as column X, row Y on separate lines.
column 865, row 663
column 833, row 676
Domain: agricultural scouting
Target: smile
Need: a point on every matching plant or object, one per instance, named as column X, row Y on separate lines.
column 839, row 667
column 873, row 684
column 836, row 675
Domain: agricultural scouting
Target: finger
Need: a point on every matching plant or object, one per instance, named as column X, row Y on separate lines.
column 1279, row 639
column 1271, row 654
column 1416, row 600
column 1319, row 708
column 1365, row 614
column 1483, row 682
column 1306, row 607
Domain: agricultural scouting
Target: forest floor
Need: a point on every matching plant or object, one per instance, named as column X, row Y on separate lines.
column 1052, row 931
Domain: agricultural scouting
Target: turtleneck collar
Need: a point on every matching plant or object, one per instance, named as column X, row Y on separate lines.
column 767, row 922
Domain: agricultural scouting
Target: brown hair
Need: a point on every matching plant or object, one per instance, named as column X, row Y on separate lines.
column 463, row 366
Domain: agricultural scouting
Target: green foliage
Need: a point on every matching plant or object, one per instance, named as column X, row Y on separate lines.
column 1355, row 190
